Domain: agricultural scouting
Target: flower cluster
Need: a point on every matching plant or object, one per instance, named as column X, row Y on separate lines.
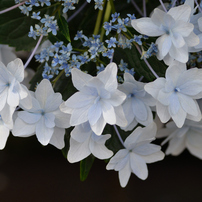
column 112, row 103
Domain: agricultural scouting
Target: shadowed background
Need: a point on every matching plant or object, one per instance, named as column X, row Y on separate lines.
column 31, row 172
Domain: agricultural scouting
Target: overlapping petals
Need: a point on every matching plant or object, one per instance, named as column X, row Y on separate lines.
column 137, row 153
column 98, row 100
column 44, row 118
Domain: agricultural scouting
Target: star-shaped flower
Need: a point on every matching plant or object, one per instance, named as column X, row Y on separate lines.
column 84, row 142
column 12, row 92
column 176, row 94
column 189, row 136
column 137, row 153
column 136, row 106
column 98, row 100
column 175, row 31
column 44, row 118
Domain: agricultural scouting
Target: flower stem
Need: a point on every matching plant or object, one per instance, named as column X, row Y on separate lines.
column 57, row 78
column 198, row 6
column 112, row 6
column 98, row 21
column 77, row 12
column 147, row 63
column 162, row 4
column 12, row 7
column 106, row 18
column 137, row 8
column 33, row 52
column 118, row 134
column 174, row 2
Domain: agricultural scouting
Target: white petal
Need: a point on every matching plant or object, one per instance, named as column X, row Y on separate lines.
column 62, row 120
column 28, row 117
column 79, row 100
column 139, row 109
column 78, row 151
column 183, row 28
column 120, row 117
column 174, row 106
column 53, row 102
column 158, row 16
column 138, row 166
column 108, row 113
column 3, row 98
column 43, row 133
column 178, row 40
column 49, row 120
column 7, row 113
column 182, row 12
column 57, row 138
column 81, row 132
column 162, row 112
column 164, row 44
column 16, row 68
column 22, row 129
column 108, row 77
column 79, row 78
column 27, row 101
column 79, row 115
column 188, row 104
column 117, row 98
column 94, row 113
column 43, row 90
column 154, row 87
column 13, row 95
column 179, row 118
column 176, row 146
column 158, row 156
column 98, row 148
column 99, row 126
column 147, row 27
column 4, row 133
column 179, row 54
column 124, row 174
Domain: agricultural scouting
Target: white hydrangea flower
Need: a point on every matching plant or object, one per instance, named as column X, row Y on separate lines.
column 136, row 106
column 189, row 136
column 84, row 142
column 137, row 153
column 175, row 31
column 98, row 100
column 196, row 20
column 12, row 92
column 4, row 132
column 176, row 94
column 44, row 118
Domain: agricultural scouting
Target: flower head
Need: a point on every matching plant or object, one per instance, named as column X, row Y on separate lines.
column 137, row 153
column 176, row 94
column 44, row 118
column 175, row 31
column 98, row 100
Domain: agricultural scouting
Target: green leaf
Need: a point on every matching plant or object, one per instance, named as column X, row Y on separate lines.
column 85, row 166
column 15, row 26
column 64, row 28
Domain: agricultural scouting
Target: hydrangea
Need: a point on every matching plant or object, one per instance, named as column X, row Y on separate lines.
column 84, row 142
column 44, row 118
column 136, row 106
column 189, row 136
column 137, row 153
column 12, row 92
column 176, row 94
column 98, row 100
column 175, row 31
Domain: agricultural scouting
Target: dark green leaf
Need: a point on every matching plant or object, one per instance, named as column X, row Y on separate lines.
column 64, row 28
column 85, row 166
column 15, row 26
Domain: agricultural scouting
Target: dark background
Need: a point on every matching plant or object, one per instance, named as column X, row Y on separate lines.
column 30, row 172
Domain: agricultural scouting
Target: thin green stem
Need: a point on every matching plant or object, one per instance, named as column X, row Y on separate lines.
column 106, row 18
column 57, row 78
column 112, row 6
column 98, row 21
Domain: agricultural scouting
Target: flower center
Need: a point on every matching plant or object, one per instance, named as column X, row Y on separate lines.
column 131, row 95
column 42, row 112
column 176, row 90
column 97, row 99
